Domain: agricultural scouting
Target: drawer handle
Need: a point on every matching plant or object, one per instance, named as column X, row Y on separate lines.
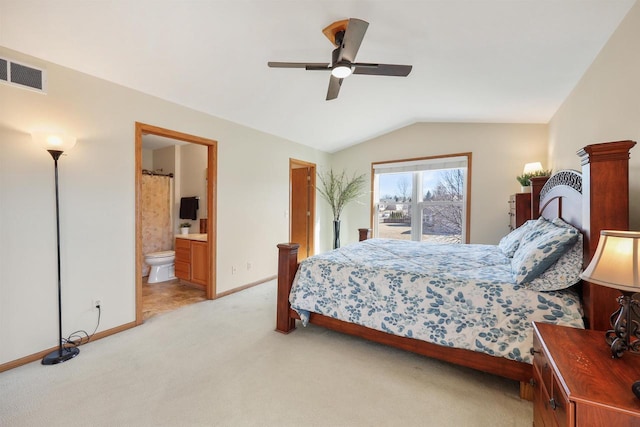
column 533, row 351
column 553, row 403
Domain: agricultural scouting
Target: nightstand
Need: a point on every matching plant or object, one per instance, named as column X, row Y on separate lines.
column 578, row 383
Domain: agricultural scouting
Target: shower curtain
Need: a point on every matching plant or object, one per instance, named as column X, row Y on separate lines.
column 157, row 233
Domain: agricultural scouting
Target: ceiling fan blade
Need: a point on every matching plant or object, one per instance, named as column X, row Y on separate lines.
column 313, row 65
column 317, row 67
column 353, row 36
column 382, row 69
column 334, row 88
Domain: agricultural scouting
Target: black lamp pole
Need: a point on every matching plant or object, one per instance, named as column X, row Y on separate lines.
column 62, row 354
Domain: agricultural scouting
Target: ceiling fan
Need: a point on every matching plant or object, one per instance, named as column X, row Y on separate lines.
column 346, row 36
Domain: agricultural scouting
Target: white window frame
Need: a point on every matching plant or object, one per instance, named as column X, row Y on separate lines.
column 450, row 161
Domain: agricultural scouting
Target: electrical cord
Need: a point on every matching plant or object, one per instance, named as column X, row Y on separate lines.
column 81, row 337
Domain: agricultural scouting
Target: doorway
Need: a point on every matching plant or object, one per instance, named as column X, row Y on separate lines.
column 302, row 202
column 211, row 174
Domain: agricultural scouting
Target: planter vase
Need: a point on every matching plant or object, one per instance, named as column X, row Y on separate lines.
column 336, row 234
column 525, row 189
column 184, row 230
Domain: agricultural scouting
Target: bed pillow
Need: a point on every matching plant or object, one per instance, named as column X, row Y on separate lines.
column 563, row 274
column 560, row 223
column 509, row 243
column 540, row 248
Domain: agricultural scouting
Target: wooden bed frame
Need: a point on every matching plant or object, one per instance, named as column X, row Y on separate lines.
column 602, row 204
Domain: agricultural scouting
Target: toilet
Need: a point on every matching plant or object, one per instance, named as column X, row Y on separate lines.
column 162, row 266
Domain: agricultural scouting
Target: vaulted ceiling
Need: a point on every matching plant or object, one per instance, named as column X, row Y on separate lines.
column 473, row 61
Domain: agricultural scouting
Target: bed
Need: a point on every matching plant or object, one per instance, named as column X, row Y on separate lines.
column 437, row 324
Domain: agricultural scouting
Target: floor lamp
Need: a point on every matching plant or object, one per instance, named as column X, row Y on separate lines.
column 56, row 144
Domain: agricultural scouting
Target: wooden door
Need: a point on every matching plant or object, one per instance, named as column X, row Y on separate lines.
column 302, row 206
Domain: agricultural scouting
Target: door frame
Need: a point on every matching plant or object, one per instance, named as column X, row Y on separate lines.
column 212, row 165
column 296, row 164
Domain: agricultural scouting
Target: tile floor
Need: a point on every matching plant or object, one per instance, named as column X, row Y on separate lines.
column 161, row 297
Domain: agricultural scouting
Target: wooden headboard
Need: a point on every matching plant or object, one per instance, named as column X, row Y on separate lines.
column 596, row 199
column 561, row 197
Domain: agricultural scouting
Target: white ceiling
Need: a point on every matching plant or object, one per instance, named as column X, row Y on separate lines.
column 473, row 61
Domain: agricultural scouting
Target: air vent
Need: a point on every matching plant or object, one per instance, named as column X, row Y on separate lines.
column 22, row 75
column 4, row 72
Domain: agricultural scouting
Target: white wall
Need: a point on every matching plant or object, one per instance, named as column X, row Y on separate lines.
column 499, row 154
column 193, row 182
column 605, row 106
column 165, row 158
column 98, row 206
column 147, row 159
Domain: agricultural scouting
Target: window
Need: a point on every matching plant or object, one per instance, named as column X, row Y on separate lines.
column 422, row 199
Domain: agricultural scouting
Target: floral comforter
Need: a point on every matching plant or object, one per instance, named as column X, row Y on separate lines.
column 453, row 295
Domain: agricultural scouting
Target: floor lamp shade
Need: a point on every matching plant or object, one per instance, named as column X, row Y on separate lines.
column 54, row 141
column 56, row 144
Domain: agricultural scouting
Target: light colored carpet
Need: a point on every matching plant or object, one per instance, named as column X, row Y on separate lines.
column 220, row 363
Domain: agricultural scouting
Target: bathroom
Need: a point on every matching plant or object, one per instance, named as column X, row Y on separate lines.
column 172, row 170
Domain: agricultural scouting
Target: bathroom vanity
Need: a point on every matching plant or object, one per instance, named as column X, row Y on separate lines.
column 191, row 262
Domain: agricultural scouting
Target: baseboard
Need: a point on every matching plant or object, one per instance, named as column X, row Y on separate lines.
column 39, row 355
column 247, row 286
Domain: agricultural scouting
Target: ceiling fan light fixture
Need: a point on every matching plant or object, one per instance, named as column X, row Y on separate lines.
column 346, row 36
column 341, row 71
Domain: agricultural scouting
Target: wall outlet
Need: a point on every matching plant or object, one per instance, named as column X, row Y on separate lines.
column 233, row 269
column 96, row 302
column 248, row 266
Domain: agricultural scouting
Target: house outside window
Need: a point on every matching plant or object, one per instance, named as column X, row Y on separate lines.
column 422, row 199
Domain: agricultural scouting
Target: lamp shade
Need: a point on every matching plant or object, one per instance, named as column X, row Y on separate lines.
column 616, row 261
column 532, row 167
column 51, row 141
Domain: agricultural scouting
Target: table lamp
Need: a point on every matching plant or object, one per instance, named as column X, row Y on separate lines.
column 615, row 264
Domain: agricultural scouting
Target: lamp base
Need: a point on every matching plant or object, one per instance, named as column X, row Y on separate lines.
column 625, row 332
column 58, row 356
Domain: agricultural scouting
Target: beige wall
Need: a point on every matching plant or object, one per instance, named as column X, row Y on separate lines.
column 605, row 106
column 98, row 206
column 165, row 158
column 193, row 183
column 147, row 159
column 499, row 154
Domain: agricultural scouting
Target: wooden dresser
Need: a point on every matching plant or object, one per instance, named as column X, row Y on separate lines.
column 578, row 383
column 519, row 209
